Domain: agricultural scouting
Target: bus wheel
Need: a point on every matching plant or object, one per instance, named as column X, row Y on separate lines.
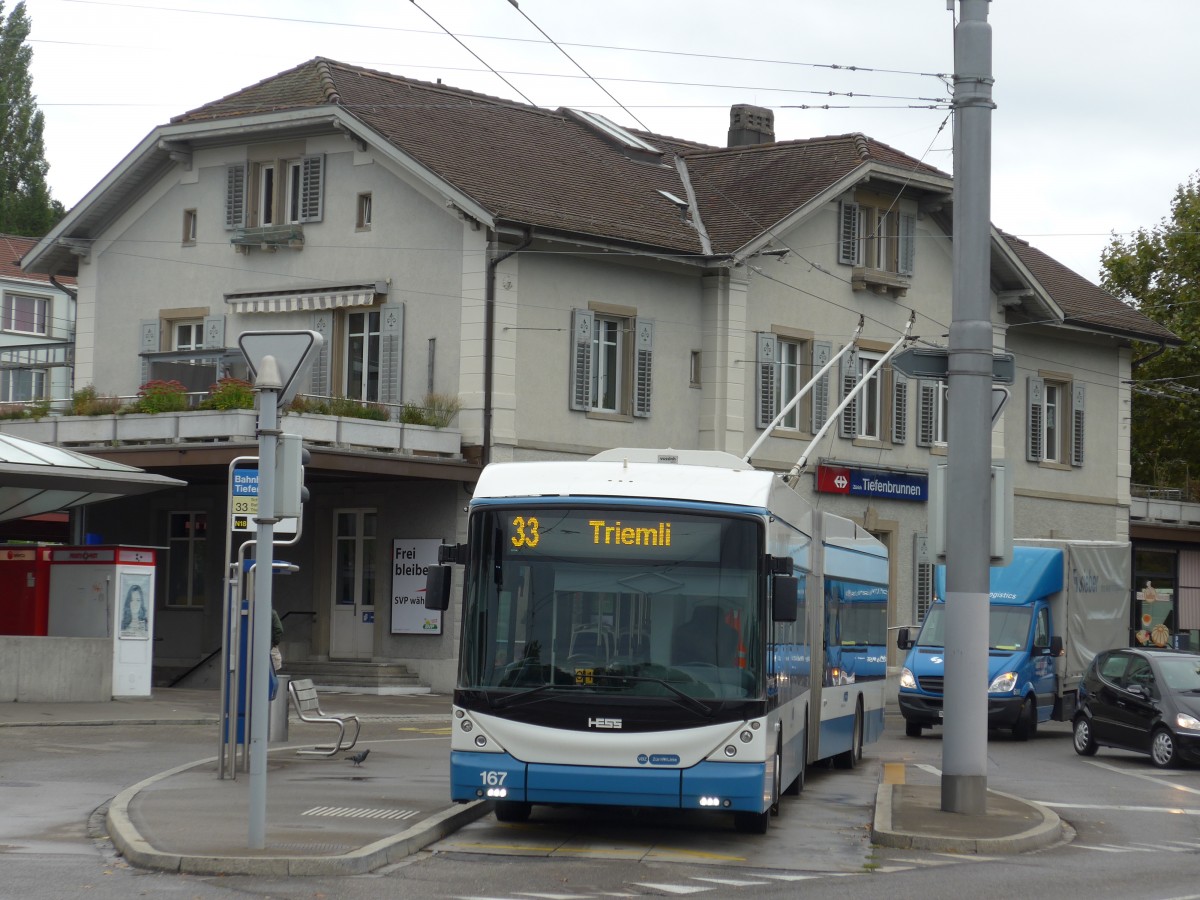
column 912, row 729
column 849, row 759
column 777, row 781
column 752, row 823
column 512, row 811
column 797, row 784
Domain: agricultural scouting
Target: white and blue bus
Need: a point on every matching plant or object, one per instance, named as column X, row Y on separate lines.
column 639, row 630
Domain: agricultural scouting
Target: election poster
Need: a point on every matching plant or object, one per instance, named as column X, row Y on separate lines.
column 412, row 558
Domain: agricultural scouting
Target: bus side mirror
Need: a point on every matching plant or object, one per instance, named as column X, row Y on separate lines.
column 903, row 641
column 786, row 598
column 437, row 588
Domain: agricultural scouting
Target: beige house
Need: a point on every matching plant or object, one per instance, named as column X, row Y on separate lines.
column 577, row 286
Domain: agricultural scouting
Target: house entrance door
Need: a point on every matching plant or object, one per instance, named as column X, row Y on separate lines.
column 352, row 605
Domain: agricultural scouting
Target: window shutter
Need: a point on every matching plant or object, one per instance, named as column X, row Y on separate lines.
column 391, row 351
column 643, row 357
column 1077, row 424
column 766, row 369
column 149, row 341
column 322, row 324
column 908, row 244
column 922, row 577
column 849, row 380
column 312, row 178
column 822, row 351
column 235, row 196
column 1035, row 413
column 849, row 246
column 214, row 332
column 899, row 408
column 582, row 325
column 927, row 411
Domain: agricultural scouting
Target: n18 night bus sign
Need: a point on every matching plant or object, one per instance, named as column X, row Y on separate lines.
column 872, row 483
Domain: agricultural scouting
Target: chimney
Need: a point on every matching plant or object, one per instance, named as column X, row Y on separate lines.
column 750, row 125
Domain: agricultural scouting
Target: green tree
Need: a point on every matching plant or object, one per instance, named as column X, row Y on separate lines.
column 1158, row 271
column 26, row 207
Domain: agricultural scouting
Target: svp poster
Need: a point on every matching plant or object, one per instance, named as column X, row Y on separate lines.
column 411, row 561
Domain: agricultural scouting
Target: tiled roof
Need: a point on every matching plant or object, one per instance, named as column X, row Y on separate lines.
column 12, row 248
column 546, row 169
column 743, row 191
column 1084, row 303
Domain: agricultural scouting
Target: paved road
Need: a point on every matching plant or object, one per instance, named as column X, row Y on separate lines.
column 1137, row 833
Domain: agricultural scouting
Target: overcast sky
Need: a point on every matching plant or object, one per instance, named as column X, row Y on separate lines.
column 1095, row 125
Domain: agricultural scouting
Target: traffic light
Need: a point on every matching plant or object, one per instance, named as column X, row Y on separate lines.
column 290, row 492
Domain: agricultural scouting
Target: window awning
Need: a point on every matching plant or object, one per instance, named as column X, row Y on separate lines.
column 332, row 297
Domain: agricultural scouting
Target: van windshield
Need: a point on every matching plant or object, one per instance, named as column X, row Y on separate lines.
column 1008, row 627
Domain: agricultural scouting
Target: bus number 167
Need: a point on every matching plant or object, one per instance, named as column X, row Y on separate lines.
column 493, row 779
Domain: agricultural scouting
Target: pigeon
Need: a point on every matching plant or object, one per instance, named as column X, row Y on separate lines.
column 358, row 758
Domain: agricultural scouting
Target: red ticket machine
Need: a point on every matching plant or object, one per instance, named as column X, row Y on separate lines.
column 24, row 589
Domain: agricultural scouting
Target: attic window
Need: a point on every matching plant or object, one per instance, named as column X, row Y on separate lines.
column 615, row 131
column 681, row 205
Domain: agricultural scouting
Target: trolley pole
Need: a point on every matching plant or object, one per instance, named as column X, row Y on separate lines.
column 964, row 748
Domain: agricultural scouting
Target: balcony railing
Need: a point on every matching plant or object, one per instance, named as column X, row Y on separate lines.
column 392, row 435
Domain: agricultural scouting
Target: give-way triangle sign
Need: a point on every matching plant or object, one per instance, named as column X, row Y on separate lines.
column 294, row 352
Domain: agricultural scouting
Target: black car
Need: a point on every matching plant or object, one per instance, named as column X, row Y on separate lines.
column 1146, row 700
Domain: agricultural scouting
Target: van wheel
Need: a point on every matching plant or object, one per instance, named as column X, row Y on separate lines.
column 913, row 729
column 1026, row 724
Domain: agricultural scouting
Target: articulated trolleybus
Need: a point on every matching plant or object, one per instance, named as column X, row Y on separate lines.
column 649, row 629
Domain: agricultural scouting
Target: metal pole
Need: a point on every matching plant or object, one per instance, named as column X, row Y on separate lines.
column 268, row 384
column 969, row 439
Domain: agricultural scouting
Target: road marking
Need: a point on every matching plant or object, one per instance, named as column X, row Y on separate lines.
column 672, row 888
column 732, row 882
column 1109, row 848
column 350, row 812
column 932, row 770
column 1161, row 781
column 893, row 773
column 1163, row 847
column 1173, row 810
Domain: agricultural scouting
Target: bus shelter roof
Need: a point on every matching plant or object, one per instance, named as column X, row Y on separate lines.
column 38, row 478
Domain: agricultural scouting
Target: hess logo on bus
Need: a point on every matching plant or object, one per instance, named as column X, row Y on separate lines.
column 604, row 723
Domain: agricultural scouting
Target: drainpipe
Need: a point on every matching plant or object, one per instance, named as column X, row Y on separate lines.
column 489, row 327
column 1162, row 348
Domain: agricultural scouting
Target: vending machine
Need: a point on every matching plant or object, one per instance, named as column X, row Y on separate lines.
column 108, row 591
column 24, row 589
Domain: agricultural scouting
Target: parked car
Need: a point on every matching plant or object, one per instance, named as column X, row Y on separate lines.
column 1145, row 700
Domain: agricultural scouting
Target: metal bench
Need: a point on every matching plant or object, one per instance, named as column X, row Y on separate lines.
column 308, row 708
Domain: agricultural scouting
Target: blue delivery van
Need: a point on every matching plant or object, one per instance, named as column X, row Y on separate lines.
column 1051, row 610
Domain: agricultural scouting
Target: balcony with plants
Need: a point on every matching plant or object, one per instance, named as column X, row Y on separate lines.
column 166, row 412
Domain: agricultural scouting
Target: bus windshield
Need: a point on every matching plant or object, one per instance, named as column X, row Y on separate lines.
column 635, row 601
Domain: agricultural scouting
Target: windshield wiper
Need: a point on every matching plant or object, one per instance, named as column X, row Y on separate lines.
column 510, row 699
column 688, row 700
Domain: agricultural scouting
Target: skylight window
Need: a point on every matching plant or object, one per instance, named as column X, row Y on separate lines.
column 615, row 131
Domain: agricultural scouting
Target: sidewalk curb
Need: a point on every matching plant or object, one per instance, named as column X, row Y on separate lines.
column 138, row 852
column 1049, row 831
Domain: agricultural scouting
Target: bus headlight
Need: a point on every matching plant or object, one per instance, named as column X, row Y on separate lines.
column 1003, row 684
column 907, row 680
